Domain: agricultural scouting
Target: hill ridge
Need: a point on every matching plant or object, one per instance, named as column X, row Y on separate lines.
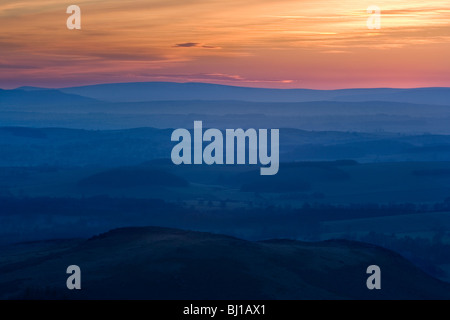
column 163, row 263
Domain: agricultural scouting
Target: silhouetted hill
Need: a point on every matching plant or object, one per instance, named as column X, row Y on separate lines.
column 153, row 91
column 25, row 146
column 40, row 97
column 175, row 105
column 159, row 263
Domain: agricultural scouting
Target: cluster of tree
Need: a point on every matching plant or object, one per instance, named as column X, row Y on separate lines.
column 308, row 214
column 251, row 222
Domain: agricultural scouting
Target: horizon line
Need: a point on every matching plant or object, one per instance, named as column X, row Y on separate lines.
column 218, row 84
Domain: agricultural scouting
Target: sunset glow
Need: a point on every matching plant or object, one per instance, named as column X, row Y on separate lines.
column 262, row 43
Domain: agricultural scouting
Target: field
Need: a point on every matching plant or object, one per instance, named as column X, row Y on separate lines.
column 309, row 182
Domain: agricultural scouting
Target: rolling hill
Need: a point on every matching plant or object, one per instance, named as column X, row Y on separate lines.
column 40, row 97
column 173, row 105
column 159, row 263
column 154, row 91
column 172, row 91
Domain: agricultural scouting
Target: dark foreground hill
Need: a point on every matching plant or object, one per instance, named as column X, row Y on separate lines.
column 159, row 263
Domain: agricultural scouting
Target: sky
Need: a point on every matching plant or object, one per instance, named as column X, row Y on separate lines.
column 313, row 44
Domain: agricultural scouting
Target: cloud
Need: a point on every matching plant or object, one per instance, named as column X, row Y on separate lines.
column 187, row 45
column 194, row 45
column 16, row 66
column 210, row 47
column 211, row 77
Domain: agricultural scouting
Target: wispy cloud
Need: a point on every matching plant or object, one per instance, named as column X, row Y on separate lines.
column 194, row 45
column 212, row 76
column 187, row 45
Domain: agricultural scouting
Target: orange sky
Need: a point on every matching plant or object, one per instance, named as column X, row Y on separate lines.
column 263, row 43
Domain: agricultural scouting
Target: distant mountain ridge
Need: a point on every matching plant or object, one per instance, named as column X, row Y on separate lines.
column 177, row 105
column 154, row 91
column 172, row 91
column 37, row 96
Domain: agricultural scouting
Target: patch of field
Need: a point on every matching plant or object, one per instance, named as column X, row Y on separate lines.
column 421, row 225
